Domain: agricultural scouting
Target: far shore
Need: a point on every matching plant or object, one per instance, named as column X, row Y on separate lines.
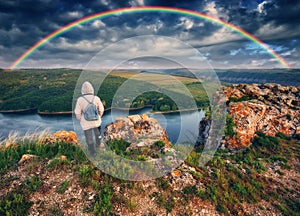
column 34, row 110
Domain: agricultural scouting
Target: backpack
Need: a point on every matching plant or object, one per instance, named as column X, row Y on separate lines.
column 91, row 112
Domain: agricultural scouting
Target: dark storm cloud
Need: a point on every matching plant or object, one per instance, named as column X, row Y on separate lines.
column 24, row 22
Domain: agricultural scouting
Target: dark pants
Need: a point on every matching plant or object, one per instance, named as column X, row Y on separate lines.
column 92, row 137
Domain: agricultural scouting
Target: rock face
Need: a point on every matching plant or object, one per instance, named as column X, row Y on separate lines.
column 139, row 130
column 267, row 108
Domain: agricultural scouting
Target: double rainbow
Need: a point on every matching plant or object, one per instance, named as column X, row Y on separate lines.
column 146, row 9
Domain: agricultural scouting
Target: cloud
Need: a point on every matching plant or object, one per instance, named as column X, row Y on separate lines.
column 260, row 7
column 23, row 23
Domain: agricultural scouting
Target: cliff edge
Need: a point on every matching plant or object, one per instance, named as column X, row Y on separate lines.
column 266, row 108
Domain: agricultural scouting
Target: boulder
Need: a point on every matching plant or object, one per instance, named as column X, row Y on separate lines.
column 138, row 130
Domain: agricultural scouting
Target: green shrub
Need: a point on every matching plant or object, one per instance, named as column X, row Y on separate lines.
column 263, row 140
column 193, row 159
column 212, row 193
column 159, row 144
column 55, row 211
column 63, row 187
column 244, row 98
column 240, row 190
column 118, row 146
column 14, row 203
column 283, row 136
column 162, row 183
column 190, row 190
column 103, row 205
column 33, row 183
column 230, row 125
column 169, row 205
column 221, row 208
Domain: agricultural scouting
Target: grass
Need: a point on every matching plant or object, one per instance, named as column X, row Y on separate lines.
column 226, row 184
column 119, row 147
column 103, row 205
column 233, row 178
column 33, row 183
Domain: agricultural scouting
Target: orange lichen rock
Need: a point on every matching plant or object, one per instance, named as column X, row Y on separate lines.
column 27, row 157
column 66, row 136
column 145, row 116
column 262, row 108
column 176, row 173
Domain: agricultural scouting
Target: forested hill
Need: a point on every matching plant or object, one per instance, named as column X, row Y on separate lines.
column 236, row 76
column 52, row 90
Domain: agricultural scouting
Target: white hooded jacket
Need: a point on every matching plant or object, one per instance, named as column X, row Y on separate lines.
column 87, row 91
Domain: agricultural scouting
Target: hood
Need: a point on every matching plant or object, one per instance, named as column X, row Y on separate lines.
column 87, row 88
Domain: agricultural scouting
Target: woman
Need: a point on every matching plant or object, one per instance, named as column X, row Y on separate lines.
column 91, row 128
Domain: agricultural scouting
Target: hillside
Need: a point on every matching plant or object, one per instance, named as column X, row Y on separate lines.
column 49, row 174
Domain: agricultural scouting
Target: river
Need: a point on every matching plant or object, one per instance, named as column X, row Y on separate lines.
column 186, row 122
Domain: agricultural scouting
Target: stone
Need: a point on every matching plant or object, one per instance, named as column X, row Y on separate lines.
column 27, row 157
column 62, row 157
column 135, row 118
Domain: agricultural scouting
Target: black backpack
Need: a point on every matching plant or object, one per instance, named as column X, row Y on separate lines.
column 91, row 112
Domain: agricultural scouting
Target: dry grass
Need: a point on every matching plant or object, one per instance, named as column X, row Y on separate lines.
column 14, row 138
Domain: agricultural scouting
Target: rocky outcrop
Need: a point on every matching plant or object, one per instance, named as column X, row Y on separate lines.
column 139, row 130
column 267, row 108
column 61, row 136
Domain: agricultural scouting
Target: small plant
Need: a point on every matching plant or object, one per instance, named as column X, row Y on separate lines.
column 141, row 158
column 169, row 205
column 85, row 172
column 283, row 136
column 118, row 146
column 159, row 144
column 33, row 183
column 162, row 183
column 289, row 117
column 190, row 190
column 193, row 159
column 103, row 205
column 63, row 187
column 56, row 211
column 57, row 163
column 230, row 125
column 266, row 97
column 212, row 193
column 132, row 204
column 263, row 140
column 14, row 203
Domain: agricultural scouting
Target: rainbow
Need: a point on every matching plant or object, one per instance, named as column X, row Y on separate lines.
column 146, row 9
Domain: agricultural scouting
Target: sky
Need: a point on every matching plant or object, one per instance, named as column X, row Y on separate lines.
column 143, row 39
